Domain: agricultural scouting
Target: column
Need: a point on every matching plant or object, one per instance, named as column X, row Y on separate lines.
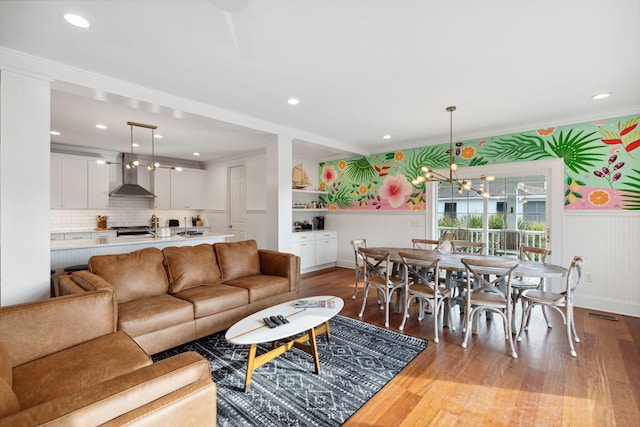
column 25, row 104
column 279, row 214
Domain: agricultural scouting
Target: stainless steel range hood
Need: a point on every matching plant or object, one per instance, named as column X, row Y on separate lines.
column 130, row 187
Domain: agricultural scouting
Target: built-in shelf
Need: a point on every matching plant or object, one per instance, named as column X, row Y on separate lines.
column 308, row 210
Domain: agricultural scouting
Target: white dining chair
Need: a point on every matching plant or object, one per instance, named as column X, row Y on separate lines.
column 359, row 262
column 422, row 282
column 484, row 294
column 562, row 302
column 378, row 274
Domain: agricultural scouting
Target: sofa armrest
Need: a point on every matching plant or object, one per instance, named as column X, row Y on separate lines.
column 80, row 281
column 35, row 329
column 173, row 387
column 274, row 263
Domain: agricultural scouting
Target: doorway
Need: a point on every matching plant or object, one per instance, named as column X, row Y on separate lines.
column 513, row 205
column 237, row 190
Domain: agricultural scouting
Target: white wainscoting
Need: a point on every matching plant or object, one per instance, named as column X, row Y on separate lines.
column 611, row 243
column 387, row 228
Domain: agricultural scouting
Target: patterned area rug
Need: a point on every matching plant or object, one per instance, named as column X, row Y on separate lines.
column 355, row 364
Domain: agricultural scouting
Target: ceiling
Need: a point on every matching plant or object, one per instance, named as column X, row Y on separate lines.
column 360, row 68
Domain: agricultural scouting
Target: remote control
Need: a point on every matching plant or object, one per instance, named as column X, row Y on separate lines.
column 282, row 318
column 275, row 320
column 269, row 322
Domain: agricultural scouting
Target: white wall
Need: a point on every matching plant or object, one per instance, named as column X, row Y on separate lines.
column 24, row 196
column 256, row 204
column 609, row 241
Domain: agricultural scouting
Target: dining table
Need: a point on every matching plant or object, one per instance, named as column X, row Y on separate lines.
column 451, row 262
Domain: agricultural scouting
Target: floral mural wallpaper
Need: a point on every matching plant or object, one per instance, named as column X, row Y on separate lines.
column 602, row 167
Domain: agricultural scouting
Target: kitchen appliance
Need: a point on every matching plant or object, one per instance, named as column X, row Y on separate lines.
column 318, row 222
column 136, row 230
column 174, row 223
column 130, row 187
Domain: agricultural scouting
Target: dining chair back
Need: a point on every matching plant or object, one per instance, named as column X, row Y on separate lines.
column 422, row 282
column 380, row 275
column 562, row 302
column 485, row 294
column 465, row 246
column 359, row 261
column 520, row 284
column 427, row 244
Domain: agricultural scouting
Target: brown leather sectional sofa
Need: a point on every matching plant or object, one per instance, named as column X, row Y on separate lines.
column 175, row 295
column 62, row 363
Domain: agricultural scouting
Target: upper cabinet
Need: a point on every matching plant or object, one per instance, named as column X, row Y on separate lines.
column 187, row 189
column 68, row 182
column 162, row 188
column 97, row 185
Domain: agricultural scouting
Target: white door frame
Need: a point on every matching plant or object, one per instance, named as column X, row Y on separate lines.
column 552, row 169
column 238, row 234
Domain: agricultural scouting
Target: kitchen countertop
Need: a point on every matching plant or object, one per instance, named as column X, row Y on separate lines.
column 113, row 230
column 58, row 245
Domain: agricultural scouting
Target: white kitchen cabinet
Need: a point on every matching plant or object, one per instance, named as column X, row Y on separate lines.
column 77, row 236
column 187, row 189
column 102, row 234
column 68, row 182
column 304, row 246
column 97, row 185
column 162, row 188
column 326, row 247
column 315, row 248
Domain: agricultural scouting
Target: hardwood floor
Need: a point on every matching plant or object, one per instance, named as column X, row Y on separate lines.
column 481, row 385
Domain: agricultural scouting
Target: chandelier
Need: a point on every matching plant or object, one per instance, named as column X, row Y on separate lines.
column 134, row 163
column 462, row 184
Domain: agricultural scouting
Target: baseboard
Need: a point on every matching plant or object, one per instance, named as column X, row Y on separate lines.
column 609, row 305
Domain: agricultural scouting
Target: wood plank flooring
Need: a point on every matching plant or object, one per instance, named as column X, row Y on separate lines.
column 447, row 385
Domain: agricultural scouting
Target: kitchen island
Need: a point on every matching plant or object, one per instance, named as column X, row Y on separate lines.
column 65, row 253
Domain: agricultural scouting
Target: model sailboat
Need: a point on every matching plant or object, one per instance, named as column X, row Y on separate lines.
column 299, row 178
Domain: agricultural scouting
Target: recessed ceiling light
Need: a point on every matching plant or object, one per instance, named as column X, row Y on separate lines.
column 55, row 132
column 135, row 144
column 601, row 95
column 157, row 136
column 101, row 126
column 196, row 154
column 293, row 101
column 386, row 137
column 76, row 20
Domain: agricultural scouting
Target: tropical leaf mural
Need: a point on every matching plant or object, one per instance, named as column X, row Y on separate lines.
column 602, row 170
column 518, row 146
column 578, row 152
column 360, row 170
column 433, row 157
column 627, row 135
column 631, row 192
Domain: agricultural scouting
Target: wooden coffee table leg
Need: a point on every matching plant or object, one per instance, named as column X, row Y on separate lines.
column 314, row 349
column 251, row 358
column 324, row 328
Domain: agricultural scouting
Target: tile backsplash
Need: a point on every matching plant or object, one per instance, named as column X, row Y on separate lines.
column 122, row 211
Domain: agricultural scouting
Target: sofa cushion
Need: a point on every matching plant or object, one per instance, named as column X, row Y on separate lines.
column 262, row 286
column 6, row 373
column 134, row 275
column 152, row 314
column 8, row 401
column 209, row 300
column 237, row 259
column 77, row 368
column 190, row 266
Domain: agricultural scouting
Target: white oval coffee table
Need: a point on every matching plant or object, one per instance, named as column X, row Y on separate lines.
column 307, row 321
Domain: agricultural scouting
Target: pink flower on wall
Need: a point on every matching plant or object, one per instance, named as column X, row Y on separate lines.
column 395, row 189
column 329, row 174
